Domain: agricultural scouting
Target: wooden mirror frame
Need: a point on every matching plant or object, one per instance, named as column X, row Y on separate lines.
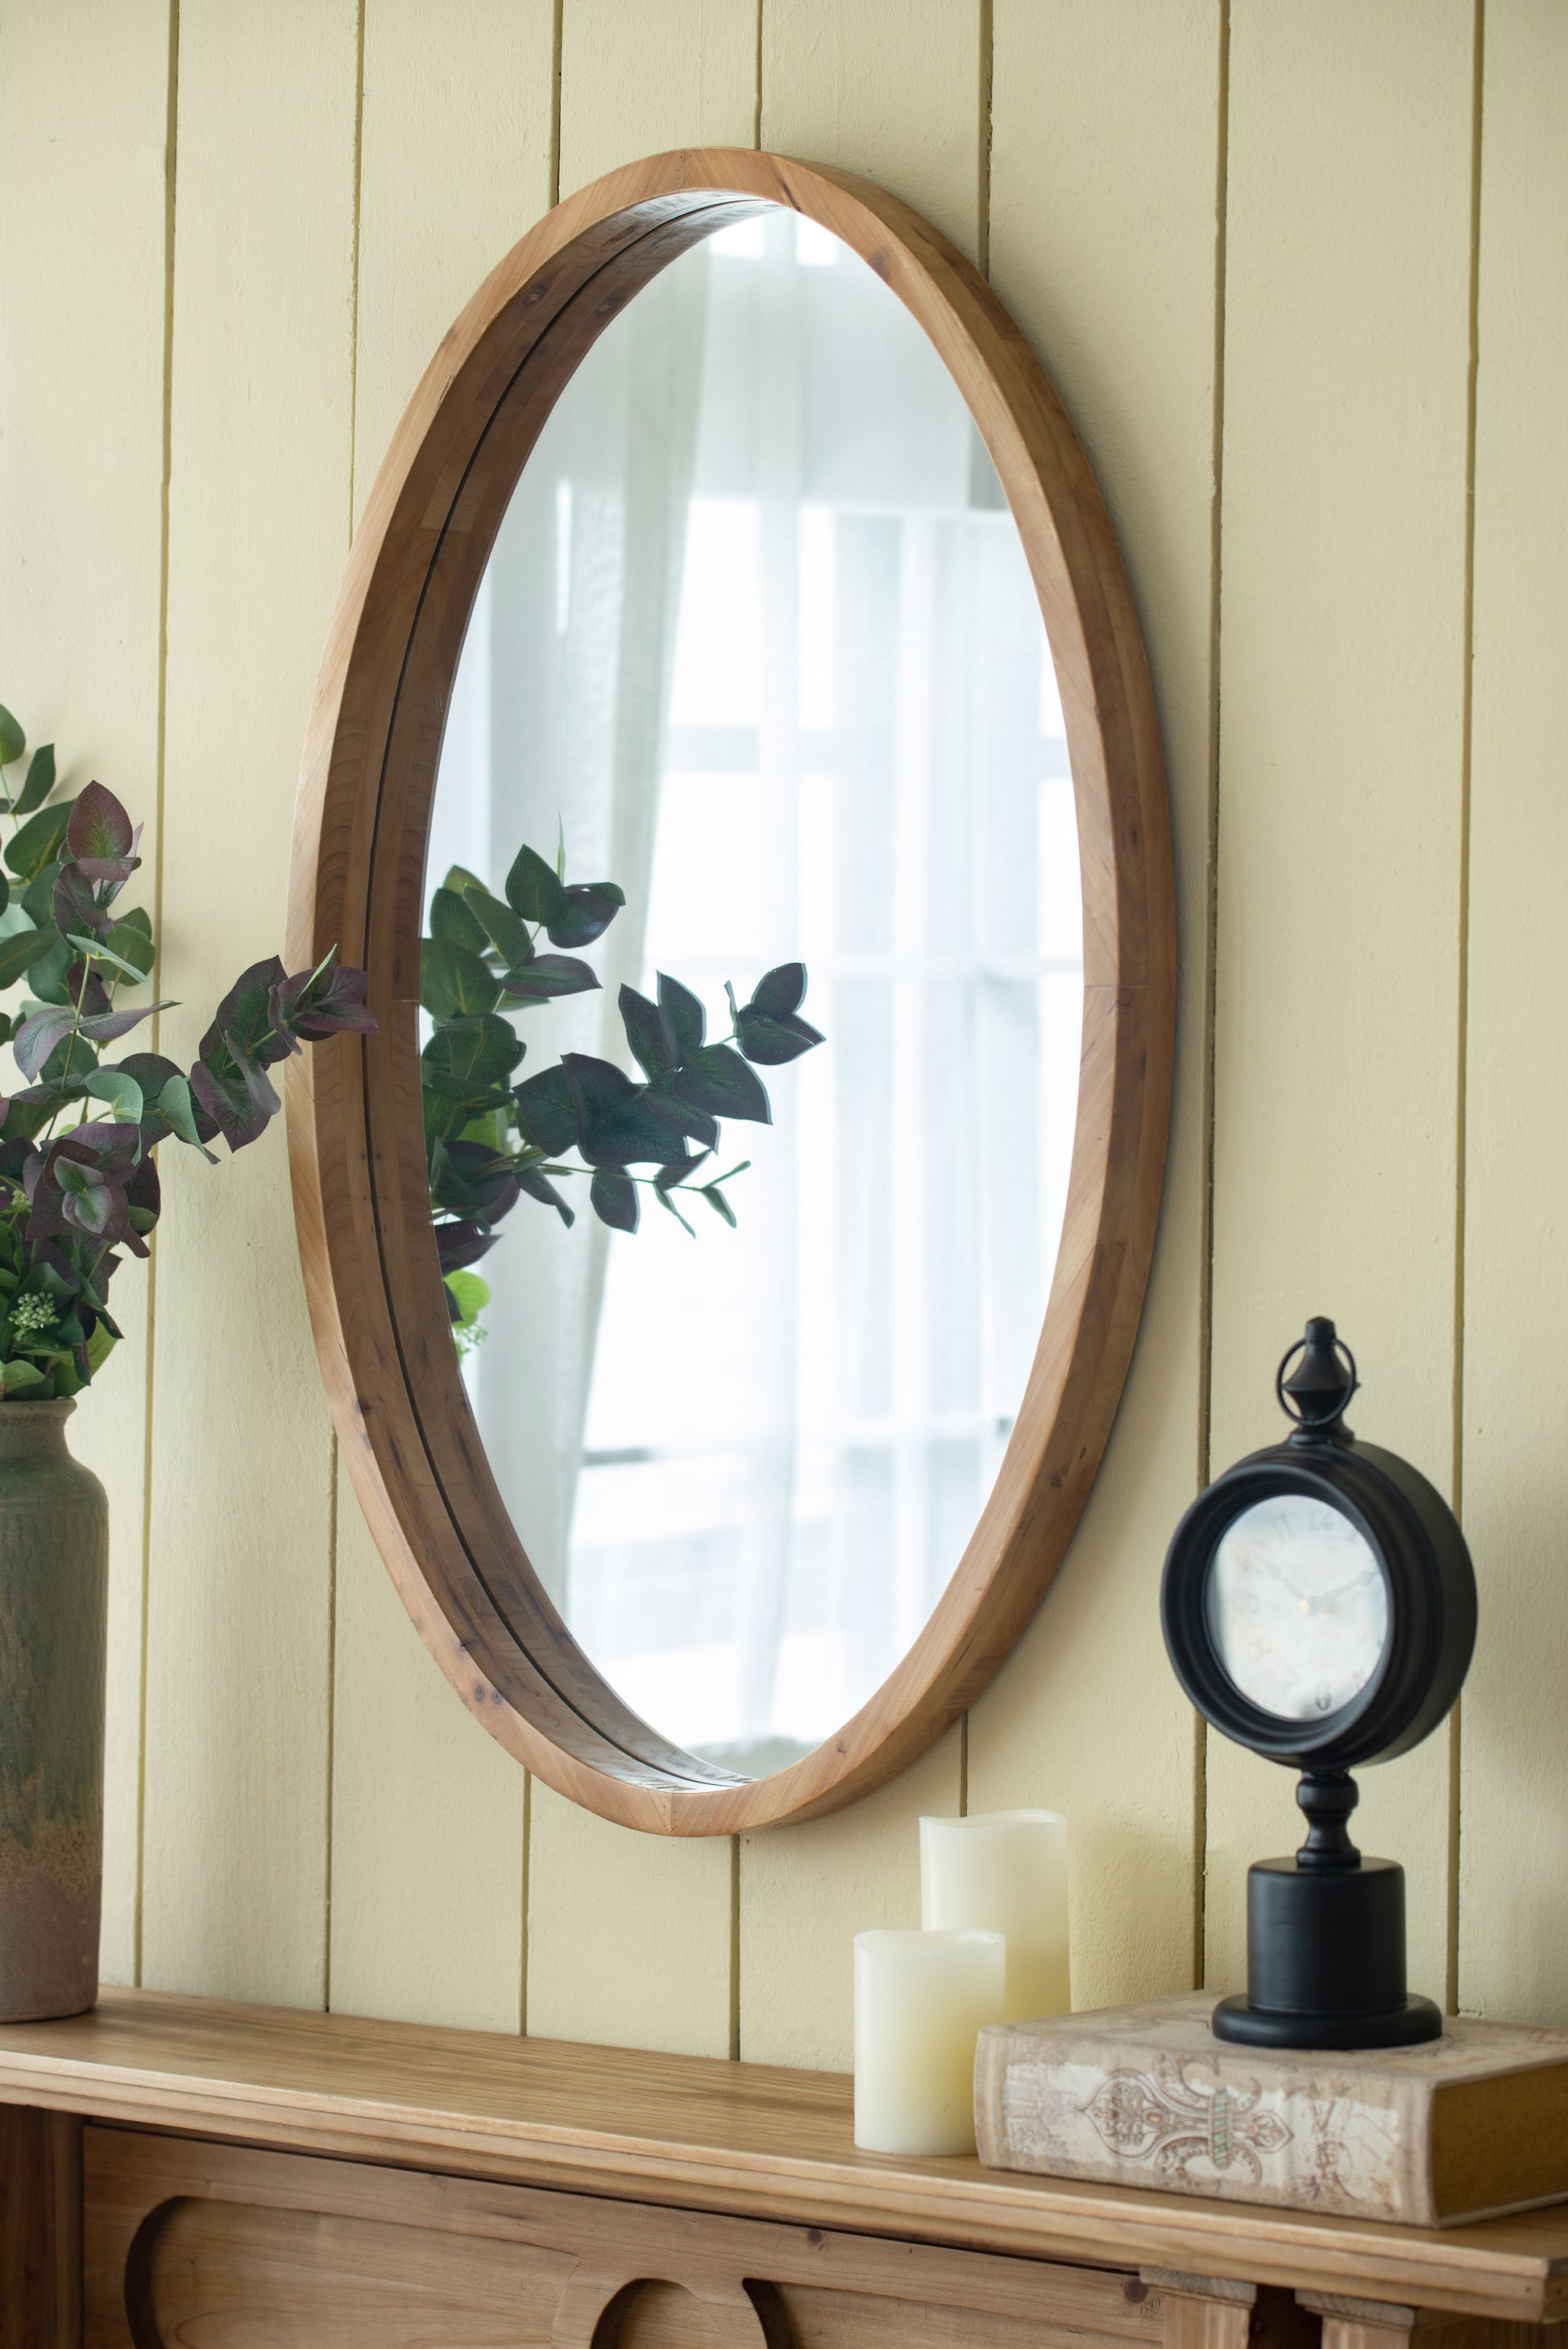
column 356, row 1129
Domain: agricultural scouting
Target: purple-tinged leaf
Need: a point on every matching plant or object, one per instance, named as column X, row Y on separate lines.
column 614, row 1197
column 329, row 1002
column 99, row 827
column 591, row 907
column 90, row 1202
column 461, row 1243
column 105, row 1028
column 76, row 906
column 39, row 1035
column 86, row 989
column 237, row 1113
column 241, row 1023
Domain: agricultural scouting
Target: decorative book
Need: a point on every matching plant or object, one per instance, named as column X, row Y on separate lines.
column 1463, row 2127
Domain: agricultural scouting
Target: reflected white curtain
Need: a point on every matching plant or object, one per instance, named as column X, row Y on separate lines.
column 558, row 716
column 792, row 1428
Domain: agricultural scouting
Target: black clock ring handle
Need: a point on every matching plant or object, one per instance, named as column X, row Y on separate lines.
column 1334, row 1401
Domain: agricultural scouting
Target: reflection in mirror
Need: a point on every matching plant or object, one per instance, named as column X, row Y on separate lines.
column 757, row 646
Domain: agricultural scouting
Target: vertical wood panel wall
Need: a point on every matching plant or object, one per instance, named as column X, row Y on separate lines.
column 1298, row 275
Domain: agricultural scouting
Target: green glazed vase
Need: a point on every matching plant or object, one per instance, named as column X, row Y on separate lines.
column 54, row 1588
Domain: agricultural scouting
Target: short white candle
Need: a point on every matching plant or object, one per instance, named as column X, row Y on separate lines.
column 1006, row 1871
column 920, row 2002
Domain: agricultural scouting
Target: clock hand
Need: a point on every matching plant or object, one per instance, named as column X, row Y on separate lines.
column 1357, row 1582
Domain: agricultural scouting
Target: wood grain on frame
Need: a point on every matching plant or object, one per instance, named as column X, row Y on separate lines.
column 371, row 1270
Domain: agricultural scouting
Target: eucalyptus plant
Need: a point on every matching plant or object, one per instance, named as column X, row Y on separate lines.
column 491, row 1141
column 78, row 1180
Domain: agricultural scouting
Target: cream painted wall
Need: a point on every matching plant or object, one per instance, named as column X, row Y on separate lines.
column 1298, row 273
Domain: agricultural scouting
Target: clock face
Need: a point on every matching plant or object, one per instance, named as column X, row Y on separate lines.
column 1297, row 1607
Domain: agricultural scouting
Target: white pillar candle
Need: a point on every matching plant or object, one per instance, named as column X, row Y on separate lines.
column 1006, row 1871
column 920, row 2002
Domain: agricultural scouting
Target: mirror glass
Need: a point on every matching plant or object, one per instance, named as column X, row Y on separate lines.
column 757, row 676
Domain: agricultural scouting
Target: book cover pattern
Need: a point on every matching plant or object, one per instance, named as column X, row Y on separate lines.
column 1147, row 2096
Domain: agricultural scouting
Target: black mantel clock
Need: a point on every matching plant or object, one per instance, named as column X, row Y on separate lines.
column 1319, row 1607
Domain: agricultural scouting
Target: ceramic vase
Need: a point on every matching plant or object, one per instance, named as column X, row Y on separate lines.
column 54, row 1586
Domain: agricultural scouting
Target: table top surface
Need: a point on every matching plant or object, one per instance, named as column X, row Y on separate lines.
column 701, row 2133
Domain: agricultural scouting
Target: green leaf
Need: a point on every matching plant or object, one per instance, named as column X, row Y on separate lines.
column 468, row 1058
column 39, row 841
column 614, row 1197
column 650, row 1031
column 694, row 1122
column 780, row 993
column 454, row 984
column 131, row 943
column 547, row 977
column 101, row 1346
column 174, row 1103
column 5, row 893
column 719, row 1204
column 99, row 952
column 687, row 1014
column 48, row 977
column 38, row 897
column 665, row 1200
column 617, row 1123
column 18, row 954
column 121, row 1091
column 72, row 1060
column 719, row 1082
column 507, row 930
column 454, row 922
column 534, row 891
column 40, row 781
column 540, row 1186
column 771, row 1041
column 18, row 1377
column 548, row 1112
column 471, row 1295
column 12, row 741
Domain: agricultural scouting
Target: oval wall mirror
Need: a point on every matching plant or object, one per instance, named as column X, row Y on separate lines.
column 734, row 764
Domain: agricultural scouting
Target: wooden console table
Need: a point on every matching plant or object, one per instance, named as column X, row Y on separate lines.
column 177, row 2171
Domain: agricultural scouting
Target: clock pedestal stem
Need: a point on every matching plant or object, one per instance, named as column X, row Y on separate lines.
column 1326, row 1942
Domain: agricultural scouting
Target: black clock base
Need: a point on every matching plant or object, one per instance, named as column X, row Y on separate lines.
column 1325, row 1943
column 1259, row 2026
